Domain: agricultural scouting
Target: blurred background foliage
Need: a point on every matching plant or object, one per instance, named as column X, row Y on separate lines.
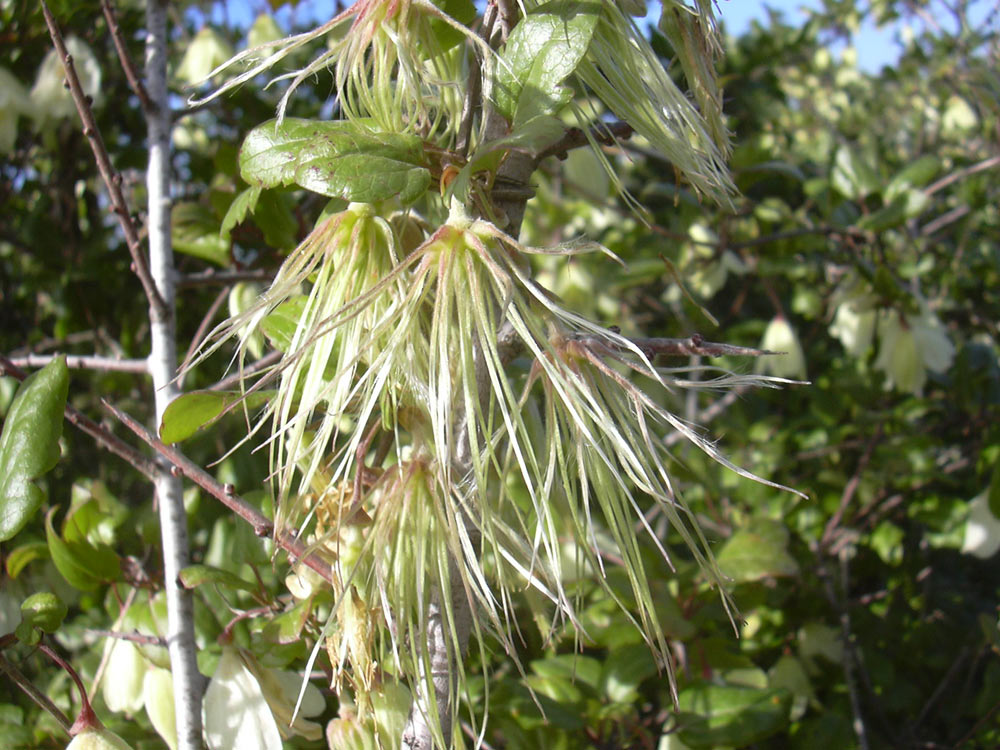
column 866, row 244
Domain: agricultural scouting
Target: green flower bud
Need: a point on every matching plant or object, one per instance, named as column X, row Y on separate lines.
column 94, row 738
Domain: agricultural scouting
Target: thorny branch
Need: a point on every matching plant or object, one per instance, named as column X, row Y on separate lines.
column 112, row 179
column 262, row 526
column 148, row 105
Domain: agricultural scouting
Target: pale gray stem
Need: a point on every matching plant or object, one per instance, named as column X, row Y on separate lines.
column 163, row 365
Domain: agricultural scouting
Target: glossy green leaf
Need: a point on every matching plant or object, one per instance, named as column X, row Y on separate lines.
column 280, row 324
column 852, row 176
column 337, row 159
column 574, row 667
column 242, row 206
column 287, row 627
column 730, row 715
column 760, row 550
column 190, row 412
column 84, row 566
column 541, row 52
column 44, row 612
column 29, row 445
column 625, row 669
column 463, row 11
column 195, row 231
column 198, row 575
column 20, row 556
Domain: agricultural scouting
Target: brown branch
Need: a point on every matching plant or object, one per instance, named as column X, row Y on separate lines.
column 694, row 345
column 213, row 277
column 830, row 531
column 112, row 179
column 577, row 138
column 961, row 174
column 261, row 364
column 262, row 526
column 104, row 437
column 84, row 362
column 147, row 640
column 19, row 679
column 134, row 82
column 199, row 334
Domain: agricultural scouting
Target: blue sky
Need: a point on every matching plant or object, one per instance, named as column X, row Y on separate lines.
column 875, row 47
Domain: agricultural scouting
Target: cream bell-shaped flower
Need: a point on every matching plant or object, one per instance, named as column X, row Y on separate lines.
column 854, row 325
column 235, row 713
column 780, row 337
column 909, row 347
column 14, row 103
column 207, row 51
column 982, row 529
column 50, row 101
column 122, row 685
column 250, row 706
column 158, row 696
column 95, row 738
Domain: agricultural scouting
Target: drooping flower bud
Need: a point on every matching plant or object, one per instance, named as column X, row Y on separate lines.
column 982, row 529
column 909, row 346
column 234, row 711
column 122, row 685
column 780, row 337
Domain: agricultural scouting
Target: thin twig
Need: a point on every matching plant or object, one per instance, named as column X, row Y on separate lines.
column 849, row 489
column 577, row 138
column 112, row 179
column 147, row 640
column 961, row 174
column 131, row 75
column 199, row 334
column 104, row 437
column 694, row 345
column 212, row 277
column 985, row 719
column 84, row 362
column 262, row 526
column 850, row 655
column 19, row 679
column 263, row 363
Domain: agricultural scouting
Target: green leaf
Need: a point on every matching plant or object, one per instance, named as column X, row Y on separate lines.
column 463, row 11
column 194, row 230
column 541, row 52
column 852, row 176
column 273, row 214
column 190, row 412
column 84, row 566
column 337, row 159
column 625, row 669
column 241, row 207
column 42, row 611
column 730, row 715
column 198, row 575
column 19, row 557
column 914, row 175
column 280, row 324
column 29, row 445
column 287, row 627
column 758, row 551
